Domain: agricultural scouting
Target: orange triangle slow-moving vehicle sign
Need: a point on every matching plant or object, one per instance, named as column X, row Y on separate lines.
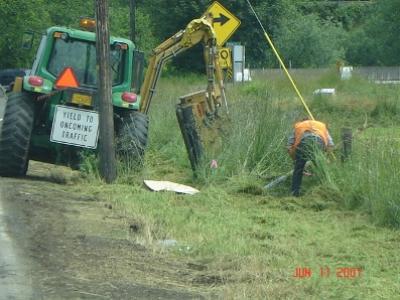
column 67, row 79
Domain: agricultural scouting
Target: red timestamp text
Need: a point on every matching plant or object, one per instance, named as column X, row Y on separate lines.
column 325, row 272
column 348, row 272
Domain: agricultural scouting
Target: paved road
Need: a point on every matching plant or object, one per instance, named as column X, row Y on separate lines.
column 2, row 105
column 15, row 279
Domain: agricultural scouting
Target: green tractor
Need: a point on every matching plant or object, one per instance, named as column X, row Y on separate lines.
column 52, row 113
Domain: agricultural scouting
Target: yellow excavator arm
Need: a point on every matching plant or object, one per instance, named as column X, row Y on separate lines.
column 198, row 30
column 199, row 114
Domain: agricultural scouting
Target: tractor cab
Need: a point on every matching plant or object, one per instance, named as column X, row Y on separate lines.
column 66, row 59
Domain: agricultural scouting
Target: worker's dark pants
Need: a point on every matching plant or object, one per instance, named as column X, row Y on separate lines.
column 305, row 151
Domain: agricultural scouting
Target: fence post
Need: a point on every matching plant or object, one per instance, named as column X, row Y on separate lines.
column 347, row 138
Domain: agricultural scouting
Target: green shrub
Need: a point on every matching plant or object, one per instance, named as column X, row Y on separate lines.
column 89, row 165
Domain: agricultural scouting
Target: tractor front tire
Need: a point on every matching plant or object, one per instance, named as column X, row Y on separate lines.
column 15, row 134
column 132, row 137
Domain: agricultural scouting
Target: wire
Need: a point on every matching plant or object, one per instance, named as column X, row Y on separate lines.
column 281, row 62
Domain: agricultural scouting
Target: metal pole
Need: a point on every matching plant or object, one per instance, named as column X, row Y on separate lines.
column 243, row 61
column 132, row 9
column 108, row 165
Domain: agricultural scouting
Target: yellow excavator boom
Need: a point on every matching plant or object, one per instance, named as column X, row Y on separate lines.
column 198, row 113
column 198, row 30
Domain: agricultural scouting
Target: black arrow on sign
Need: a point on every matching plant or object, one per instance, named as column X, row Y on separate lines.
column 221, row 19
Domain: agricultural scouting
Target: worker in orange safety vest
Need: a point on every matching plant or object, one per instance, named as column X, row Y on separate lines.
column 308, row 137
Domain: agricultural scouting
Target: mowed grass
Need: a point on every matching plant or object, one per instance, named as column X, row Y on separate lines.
column 249, row 240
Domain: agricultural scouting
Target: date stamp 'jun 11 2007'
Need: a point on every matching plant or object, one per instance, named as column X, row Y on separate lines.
column 325, row 272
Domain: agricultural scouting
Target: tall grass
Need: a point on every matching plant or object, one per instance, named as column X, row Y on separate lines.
column 369, row 180
column 261, row 116
column 257, row 137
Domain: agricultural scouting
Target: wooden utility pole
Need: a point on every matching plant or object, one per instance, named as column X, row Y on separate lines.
column 108, row 165
column 132, row 9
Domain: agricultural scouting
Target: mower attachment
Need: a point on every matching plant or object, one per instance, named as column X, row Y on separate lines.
column 201, row 131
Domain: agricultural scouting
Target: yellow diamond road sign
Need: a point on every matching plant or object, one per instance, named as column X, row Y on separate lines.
column 225, row 23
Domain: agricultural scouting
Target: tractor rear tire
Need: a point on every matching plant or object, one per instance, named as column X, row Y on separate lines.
column 15, row 134
column 132, row 137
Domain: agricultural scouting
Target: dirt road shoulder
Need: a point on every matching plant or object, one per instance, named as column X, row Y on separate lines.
column 80, row 247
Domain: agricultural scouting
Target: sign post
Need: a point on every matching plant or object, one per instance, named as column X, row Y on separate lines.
column 224, row 22
column 108, row 164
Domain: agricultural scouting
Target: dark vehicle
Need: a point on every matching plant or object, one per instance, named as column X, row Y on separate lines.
column 7, row 77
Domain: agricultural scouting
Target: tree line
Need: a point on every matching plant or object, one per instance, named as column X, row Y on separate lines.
column 308, row 33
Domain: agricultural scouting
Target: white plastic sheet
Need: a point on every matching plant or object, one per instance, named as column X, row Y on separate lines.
column 158, row 186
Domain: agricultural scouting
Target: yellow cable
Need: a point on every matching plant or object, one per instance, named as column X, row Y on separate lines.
column 288, row 75
column 293, row 84
column 281, row 62
column 284, row 67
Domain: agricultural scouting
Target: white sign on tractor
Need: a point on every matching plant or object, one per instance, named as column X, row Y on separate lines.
column 77, row 127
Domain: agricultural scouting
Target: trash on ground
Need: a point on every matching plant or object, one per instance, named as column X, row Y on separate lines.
column 185, row 248
column 325, row 91
column 168, row 243
column 158, row 186
column 214, row 164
